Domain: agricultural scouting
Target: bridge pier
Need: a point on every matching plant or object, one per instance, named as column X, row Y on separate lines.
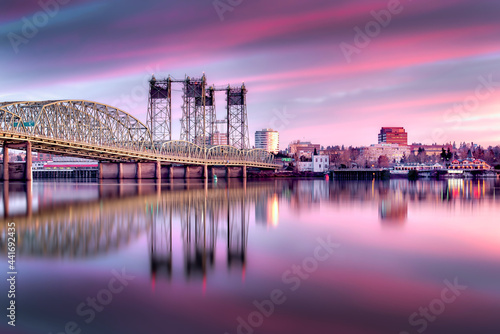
column 5, row 162
column 29, row 172
column 100, row 171
column 130, row 170
column 155, row 170
column 120, row 171
column 138, row 172
column 16, row 172
column 158, row 171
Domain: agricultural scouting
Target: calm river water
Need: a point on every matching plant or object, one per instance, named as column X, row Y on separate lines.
column 278, row 256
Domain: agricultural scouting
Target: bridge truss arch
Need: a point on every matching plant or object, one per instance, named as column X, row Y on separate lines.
column 182, row 148
column 260, row 156
column 225, row 153
column 77, row 121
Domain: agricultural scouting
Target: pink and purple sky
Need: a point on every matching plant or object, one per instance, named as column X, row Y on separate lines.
column 417, row 71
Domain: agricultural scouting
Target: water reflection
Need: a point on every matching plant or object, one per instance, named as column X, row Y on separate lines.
column 81, row 220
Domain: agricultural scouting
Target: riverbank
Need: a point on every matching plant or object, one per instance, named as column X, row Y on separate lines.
column 283, row 174
column 369, row 174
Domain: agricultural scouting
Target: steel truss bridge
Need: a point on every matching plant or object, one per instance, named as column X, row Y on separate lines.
column 87, row 129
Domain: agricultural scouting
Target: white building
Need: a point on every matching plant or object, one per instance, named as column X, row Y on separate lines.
column 267, row 139
column 321, row 163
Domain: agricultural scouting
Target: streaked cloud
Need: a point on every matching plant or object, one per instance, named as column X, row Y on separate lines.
column 287, row 53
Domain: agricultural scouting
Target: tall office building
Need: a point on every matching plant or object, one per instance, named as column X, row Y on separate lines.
column 267, row 139
column 393, row 135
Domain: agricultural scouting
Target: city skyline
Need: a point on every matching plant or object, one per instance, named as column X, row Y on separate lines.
column 312, row 70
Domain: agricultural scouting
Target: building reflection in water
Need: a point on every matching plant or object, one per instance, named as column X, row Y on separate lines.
column 78, row 220
column 267, row 210
column 393, row 211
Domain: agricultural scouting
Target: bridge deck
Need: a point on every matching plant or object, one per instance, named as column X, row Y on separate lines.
column 108, row 153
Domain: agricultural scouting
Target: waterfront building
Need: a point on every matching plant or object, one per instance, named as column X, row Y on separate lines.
column 38, row 165
column 393, row 152
column 469, row 164
column 303, row 149
column 267, row 139
column 317, row 164
column 430, row 149
column 37, row 156
column 305, row 166
column 418, row 167
column 68, row 163
column 321, row 163
column 393, row 135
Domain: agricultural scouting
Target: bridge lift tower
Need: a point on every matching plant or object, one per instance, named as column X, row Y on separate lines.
column 237, row 120
column 159, row 117
column 199, row 121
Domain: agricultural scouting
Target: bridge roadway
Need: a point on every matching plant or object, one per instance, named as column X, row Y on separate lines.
column 86, row 129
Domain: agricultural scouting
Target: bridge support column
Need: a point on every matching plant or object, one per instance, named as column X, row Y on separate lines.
column 227, row 172
column 5, row 162
column 186, row 172
column 100, row 171
column 139, row 171
column 120, row 171
column 171, row 172
column 205, row 172
column 158, row 171
column 244, row 169
column 29, row 162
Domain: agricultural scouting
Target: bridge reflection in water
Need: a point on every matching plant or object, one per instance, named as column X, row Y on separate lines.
column 83, row 220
